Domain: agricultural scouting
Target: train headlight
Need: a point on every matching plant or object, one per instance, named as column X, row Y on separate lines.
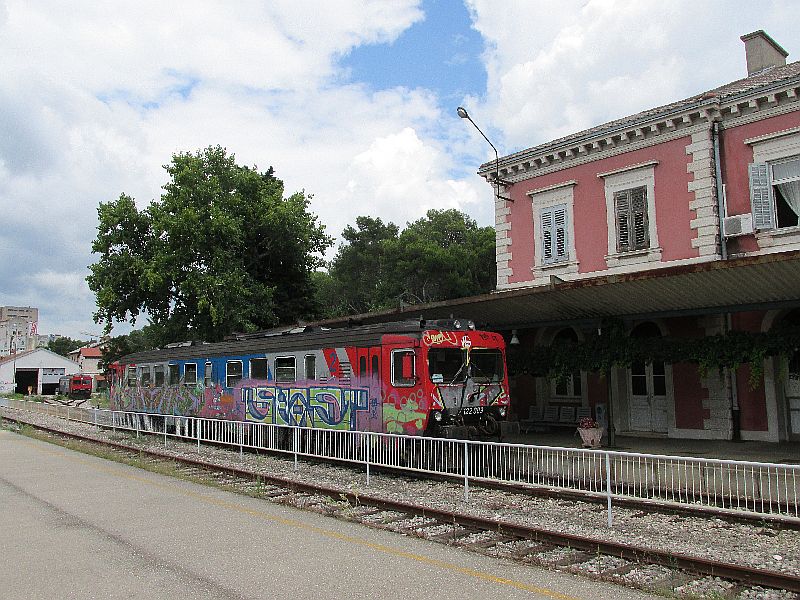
column 457, row 324
column 502, row 411
column 437, row 416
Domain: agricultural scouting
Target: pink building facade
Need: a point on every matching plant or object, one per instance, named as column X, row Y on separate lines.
column 713, row 178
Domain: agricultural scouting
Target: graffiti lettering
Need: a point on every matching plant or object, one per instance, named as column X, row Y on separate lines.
column 322, row 407
column 440, row 338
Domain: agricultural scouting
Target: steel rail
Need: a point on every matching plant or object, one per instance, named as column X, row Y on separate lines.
column 738, row 573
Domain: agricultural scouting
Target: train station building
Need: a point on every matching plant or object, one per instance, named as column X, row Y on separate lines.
column 675, row 228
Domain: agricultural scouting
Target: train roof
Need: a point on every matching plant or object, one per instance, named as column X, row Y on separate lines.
column 295, row 339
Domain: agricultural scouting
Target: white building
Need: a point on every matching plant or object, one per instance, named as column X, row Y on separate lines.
column 37, row 370
column 18, row 329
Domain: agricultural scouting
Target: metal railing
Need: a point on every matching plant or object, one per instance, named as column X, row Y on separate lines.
column 752, row 487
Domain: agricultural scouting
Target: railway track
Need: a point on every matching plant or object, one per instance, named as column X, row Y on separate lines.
column 629, row 564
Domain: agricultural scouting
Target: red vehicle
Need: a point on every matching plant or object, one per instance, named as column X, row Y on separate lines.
column 439, row 378
column 75, row 386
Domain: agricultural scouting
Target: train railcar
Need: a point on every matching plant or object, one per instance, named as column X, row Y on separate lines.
column 75, row 386
column 440, row 378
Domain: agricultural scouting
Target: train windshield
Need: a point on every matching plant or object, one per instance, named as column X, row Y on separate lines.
column 452, row 365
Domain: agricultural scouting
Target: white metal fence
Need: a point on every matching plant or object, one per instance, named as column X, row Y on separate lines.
column 761, row 488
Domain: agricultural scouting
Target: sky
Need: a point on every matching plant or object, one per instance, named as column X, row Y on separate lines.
column 353, row 102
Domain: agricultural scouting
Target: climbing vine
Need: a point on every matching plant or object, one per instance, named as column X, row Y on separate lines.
column 614, row 347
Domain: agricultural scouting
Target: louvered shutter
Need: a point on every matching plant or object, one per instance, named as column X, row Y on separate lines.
column 641, row 231
column 633, row 230
column 560, row 225
column 623, row 205
column 761, row 196
column 547, row 235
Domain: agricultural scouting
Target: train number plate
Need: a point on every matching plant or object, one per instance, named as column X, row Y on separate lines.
column 472, row 410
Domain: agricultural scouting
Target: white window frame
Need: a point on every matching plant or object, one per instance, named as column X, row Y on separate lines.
column 770, row 149
column 398, row 380
column 549, row 199
column 312, row 376
column 228, row 375
column 208, row 374
column 131, row 376
column 293, row 367
column 141, row 370
column 185, row 378
column 626, row 178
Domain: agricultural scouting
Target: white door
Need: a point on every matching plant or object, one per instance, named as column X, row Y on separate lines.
column 793, row 396
column 648, row 397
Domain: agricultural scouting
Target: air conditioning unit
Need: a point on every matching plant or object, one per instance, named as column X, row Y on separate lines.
column 737, row 225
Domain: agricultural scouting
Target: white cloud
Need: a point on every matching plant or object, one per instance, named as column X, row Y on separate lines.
column 95, row 98
column 560, row 69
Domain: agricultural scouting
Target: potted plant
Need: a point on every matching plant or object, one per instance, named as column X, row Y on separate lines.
column 591, row 433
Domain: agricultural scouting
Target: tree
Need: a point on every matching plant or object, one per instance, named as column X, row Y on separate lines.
column 359, row 269
column 147, row 338
column 65, row 345
column 441, row 256
column 221, row 251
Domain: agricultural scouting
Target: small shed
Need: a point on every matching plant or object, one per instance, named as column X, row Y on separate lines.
column 34, row 372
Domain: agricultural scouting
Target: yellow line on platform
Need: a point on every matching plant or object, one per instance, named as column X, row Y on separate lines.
column 318, row 530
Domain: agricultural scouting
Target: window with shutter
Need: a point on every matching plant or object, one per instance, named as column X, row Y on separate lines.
column 760, row 197
column 632, row 225
column 554, row 234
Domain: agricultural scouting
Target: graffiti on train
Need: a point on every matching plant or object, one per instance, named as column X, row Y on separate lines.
column 313, row 406
column 325, row 407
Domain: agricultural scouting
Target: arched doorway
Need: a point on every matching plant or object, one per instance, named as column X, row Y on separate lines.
column 647, row 388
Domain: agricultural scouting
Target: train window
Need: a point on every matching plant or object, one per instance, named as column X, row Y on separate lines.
column 190, row 374
column 158, row 373
column 174, row 375
column 375, row 366
column 233, row 373
column 258, row 368
column 131, row 376
column 403, row 374
column 285, row 370
column 207, row 375
column 311, row 367
column 144, row 375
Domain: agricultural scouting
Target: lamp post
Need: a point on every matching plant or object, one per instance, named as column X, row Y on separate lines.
column 462, row 112
column 12, row 347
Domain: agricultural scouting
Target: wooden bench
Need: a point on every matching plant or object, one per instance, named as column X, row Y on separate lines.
column 554, row 416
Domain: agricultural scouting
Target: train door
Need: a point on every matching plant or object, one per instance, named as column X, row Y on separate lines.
column 405, row 409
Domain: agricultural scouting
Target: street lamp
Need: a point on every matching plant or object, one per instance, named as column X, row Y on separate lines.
column 462, row 112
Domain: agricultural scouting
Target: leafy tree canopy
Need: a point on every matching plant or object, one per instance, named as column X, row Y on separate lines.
column 222, row 250
column 147, row 338
column 65, row 345
column 441, row 256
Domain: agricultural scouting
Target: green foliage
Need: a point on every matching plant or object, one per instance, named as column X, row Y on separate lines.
column 221, row 251
column 147, row 338
column 65, row 345
column 359, row 273
column 441, row 256
column 613, row 347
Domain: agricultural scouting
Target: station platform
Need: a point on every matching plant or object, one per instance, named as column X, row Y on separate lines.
column 754, row 451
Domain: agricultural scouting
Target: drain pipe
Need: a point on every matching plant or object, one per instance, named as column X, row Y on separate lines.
column 722, row 210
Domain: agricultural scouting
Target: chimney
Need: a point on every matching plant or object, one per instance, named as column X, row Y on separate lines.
column 762, row 52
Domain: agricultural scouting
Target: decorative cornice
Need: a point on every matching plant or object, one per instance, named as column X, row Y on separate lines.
column 649, row 163
column 550, row 188
column 749, row 105
column 771, row 136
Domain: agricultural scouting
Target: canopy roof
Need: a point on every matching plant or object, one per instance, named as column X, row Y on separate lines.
column 748, row 283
